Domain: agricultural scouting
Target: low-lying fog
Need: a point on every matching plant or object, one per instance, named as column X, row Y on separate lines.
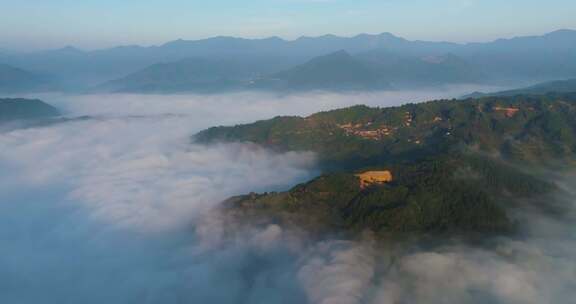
column 112, row 209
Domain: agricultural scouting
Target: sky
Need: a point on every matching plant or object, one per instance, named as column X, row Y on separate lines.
column 93, row 24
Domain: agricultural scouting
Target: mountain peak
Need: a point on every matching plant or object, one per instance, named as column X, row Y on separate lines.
column 273, row 38
column 329, row 36
column 387, row 34
column 561, row 33
column 176, row 42
column 69, row 50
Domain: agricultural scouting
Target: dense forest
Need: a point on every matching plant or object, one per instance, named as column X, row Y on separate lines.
column 458, row 166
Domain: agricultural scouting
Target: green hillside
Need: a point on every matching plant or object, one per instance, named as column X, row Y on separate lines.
column 526, row 129
column 459, row 167
column 453, row 194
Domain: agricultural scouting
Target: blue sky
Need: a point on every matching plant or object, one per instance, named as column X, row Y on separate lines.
column 36, row 24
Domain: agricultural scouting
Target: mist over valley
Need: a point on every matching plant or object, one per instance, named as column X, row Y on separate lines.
column 288, row 152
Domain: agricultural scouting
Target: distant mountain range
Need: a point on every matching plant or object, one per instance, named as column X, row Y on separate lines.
column 194, row 74
column 546, row 57
column 15, row 80
column 558, row 86
column 406, row 70
column 338, row 71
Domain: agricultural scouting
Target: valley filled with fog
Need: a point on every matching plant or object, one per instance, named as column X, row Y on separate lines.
column 117, row 205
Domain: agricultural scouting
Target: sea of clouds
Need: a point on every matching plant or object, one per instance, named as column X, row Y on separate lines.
column 116, row 205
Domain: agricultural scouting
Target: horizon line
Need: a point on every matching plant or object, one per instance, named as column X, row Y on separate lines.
column 277, row 37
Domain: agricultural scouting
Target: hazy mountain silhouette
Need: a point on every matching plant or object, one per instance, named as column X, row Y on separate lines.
column 193, row 74
column 335, row 71
column 23, row 109
column 373, row 70
column 15, row 80
column 558, row 86
column 406, row 70
column 546, row 57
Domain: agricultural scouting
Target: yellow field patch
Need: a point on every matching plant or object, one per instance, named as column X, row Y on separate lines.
column 374, row 177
